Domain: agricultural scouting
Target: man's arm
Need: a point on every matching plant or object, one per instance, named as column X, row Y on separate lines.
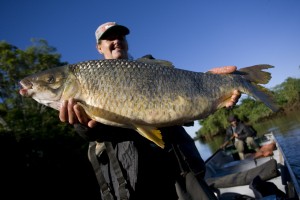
column 228, row 137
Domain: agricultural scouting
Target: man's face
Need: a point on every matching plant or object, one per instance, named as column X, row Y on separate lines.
column 233, row 123
column 113, row 46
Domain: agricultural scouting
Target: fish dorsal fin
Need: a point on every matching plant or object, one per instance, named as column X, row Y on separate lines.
column 150, row 60
column 151, row 133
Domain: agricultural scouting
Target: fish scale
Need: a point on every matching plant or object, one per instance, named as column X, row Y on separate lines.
column 143, row 95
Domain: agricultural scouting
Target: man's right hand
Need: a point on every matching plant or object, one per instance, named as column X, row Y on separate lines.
column 223, row 70
column 73, row 113
column 236, row 94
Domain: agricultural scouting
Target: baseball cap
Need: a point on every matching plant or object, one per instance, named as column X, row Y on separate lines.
column 110, row 27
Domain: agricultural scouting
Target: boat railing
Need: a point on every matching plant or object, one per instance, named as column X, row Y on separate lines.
column 291, row 173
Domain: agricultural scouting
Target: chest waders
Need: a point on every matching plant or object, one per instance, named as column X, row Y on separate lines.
column 104, row 186
column 188, row 187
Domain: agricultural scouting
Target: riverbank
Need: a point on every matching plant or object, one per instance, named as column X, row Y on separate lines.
column 291, row 110
column 282, row 124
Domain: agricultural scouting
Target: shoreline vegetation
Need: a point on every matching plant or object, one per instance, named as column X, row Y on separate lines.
column 282, row 112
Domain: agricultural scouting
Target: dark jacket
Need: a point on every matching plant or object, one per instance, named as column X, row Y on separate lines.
column 151, row 172
column 241, row 129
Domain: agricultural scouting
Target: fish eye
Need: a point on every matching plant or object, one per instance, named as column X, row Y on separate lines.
column 50, row 79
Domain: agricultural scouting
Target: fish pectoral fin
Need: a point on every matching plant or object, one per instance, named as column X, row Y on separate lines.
column 151, row 133
column 86, row 108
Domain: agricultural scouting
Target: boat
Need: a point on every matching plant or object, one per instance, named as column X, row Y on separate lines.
column 263, row 174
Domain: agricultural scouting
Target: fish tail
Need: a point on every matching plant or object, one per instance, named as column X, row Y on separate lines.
column 265, row 96
column 256, row 76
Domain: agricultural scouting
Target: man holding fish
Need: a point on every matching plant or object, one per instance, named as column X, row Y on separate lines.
column 147, row 171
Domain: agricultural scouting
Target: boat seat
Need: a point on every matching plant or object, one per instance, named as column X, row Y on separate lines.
column 230, row 167
column 266, row 171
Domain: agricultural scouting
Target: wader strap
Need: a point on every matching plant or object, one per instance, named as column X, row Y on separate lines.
column 104, row 187
column 192, row 187
column 123, row 192
column 181, row 163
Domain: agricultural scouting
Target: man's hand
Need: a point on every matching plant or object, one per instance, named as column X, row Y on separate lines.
column 236, row 94
column 233, row 99
column 73, row 113
column 223, row 70
column 235, row 135
column 223, row 146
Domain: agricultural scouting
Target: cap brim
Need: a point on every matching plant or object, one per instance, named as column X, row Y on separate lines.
column 115, row 29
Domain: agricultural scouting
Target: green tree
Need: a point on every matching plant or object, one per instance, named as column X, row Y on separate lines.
column 214, row 124
column 20, row 116
column 251, row 110
column 288, row 93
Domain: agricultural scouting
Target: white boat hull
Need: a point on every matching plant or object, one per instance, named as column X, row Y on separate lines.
column 223, row 166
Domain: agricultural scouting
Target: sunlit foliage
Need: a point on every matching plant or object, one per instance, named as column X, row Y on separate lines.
column 23, row 117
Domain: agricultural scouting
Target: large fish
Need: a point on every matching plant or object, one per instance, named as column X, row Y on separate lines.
column 143, row 95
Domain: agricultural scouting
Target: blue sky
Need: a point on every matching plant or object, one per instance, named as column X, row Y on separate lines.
column 195, row 35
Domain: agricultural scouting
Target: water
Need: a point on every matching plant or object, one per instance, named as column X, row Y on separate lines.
column 287, row 132
column 289, row 144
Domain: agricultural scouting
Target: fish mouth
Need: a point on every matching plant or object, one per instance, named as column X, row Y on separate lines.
column 26, row 85
column 29, row 89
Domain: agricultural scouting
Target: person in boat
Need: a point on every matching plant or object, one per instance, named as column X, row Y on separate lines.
column 127, row 165
column 240, row 135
